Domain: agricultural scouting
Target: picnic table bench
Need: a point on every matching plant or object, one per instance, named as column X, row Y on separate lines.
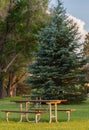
column 24, row 113
column 68, row 111
column 37, row 112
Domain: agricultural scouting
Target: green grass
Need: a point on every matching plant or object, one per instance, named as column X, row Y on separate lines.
column 79, row 118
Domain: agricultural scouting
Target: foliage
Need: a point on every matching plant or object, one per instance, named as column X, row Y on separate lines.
column 57, row 68
column 18, row 28
column 22, row 89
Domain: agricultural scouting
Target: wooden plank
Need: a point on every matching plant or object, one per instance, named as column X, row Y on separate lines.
column 37, row 114
column 17, row 111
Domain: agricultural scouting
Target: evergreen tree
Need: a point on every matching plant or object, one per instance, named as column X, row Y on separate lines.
column 57, row 68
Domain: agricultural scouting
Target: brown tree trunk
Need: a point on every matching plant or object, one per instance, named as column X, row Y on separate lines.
column 1, row 85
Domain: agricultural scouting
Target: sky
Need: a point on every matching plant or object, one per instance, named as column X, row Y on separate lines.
column 79, row 11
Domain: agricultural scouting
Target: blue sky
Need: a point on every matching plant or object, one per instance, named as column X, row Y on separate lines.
column 78, row 9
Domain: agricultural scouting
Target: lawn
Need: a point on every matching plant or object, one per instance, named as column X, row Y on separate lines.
column 79, row 118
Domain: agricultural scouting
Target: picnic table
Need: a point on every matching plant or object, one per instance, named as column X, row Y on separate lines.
column 33, row 97
column 38, row 111
column 36, row 97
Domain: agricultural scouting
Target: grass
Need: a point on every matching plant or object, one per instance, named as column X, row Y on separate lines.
column 79, row 118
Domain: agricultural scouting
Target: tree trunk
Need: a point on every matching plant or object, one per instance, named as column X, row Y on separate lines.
column 1, row 85
column 8, row 91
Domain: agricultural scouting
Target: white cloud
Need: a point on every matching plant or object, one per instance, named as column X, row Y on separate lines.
column 80, row 24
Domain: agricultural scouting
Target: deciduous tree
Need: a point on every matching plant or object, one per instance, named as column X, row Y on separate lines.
column 18, row 28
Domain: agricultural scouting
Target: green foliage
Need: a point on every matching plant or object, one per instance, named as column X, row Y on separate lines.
column 19, row 24
column 58, row 63
column 22, row 89
column 19, row 27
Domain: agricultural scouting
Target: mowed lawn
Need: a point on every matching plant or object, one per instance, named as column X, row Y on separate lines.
column 79, row 118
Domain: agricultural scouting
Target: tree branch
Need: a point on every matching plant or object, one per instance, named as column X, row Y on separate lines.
column 15, row 82
column 11, row 62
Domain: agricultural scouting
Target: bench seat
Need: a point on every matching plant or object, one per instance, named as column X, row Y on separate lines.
column 37, row 114
column 39, row 109
column 68, row 111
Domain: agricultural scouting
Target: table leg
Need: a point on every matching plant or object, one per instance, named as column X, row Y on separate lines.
column 7, row 113
column 21, row 107
column 37, row 117
column 50, row 113
column 21, row 114
column 68, row 115
column 56, row 112
column 37, row 103
column 26, row 115
column 21, row 117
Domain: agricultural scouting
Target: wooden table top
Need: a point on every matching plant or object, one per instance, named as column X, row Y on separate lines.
column 38, row 101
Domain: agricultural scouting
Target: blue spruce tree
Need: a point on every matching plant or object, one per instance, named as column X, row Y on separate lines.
column 57, row 72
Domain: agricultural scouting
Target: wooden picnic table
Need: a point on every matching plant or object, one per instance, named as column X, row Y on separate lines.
column 49, row 102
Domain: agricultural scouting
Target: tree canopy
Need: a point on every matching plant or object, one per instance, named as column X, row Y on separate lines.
column 20, row 21
column 57, row 68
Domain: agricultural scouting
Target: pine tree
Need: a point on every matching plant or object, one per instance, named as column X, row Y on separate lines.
column 57, row 68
